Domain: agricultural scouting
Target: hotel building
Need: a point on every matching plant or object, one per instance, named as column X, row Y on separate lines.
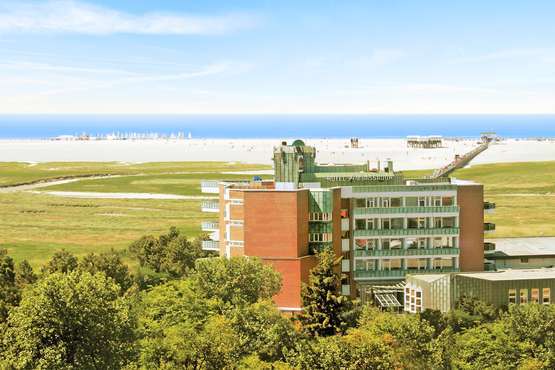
column 380, row 224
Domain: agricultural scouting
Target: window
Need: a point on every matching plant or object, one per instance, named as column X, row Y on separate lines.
column 448, row 222
column 421, row 242
column 523, row 296
column 421, row 201
column 411, row 201
column 371, row 202
column 360, row 224
column 421, row 223
column 372, row 224
column 437, row 223
column 412, row 243
column 436, row 201
column 447, row 201
column 546, row 295
column 386, row 203
column 412, row 223
column 437, row 242
column 360, row 202
column 385, row 243
column 395, row 202
column 524, row 260
column 535, row 295
column 397, row 223
column 320, row 237
column 386, row 224
column 512, row 296
column 318, row 216
column 360, row 243
column 395, row 244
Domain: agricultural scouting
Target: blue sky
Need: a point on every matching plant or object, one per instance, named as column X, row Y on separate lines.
column 360, row 57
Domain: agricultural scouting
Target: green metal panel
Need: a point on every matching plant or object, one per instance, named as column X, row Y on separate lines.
column 396, row 210
column 320, row 227
column 406, row 252
column 402, row 188
column 407, row 232
column 381, row 274
column 321, row 201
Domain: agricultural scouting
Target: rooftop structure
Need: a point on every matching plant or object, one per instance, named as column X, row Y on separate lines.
column 381, row 224
column 426, row 142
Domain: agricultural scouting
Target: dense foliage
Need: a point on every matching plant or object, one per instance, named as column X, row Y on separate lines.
column 212, row 313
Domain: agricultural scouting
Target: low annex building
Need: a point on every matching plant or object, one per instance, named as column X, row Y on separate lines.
column 499, row 288
column 380, row 224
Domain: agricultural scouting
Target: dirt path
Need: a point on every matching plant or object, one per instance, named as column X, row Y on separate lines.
column 98, row 195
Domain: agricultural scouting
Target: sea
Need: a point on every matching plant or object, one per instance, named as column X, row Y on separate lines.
column 279, row 126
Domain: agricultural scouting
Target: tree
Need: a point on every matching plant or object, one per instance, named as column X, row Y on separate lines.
column 73, row 320
column 9, row 293
column 235, row 281
column 408, row 336
column 355, row 350
column 62, row 261
column 324, row 309
column 148, row 251
column 110, row 264
column 263, row 330
column 25, row 274
column 171, row 253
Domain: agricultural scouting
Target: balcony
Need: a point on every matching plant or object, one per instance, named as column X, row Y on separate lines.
column 408, row 232
column 210, row 245
column 489, row 227
column 399, row 274
column 407, row 252
column 210, row 206
column 489, row 207
column 210, row 187
column 488, row 246
column 405, row 210
column 209, row 226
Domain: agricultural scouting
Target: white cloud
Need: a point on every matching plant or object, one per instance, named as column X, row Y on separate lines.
column 67, row 16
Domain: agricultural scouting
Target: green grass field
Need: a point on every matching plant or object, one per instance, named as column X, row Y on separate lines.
column 23, row 173
column 524, row 194
column 33, row 225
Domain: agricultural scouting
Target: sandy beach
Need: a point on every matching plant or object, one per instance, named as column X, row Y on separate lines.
column 260, row 151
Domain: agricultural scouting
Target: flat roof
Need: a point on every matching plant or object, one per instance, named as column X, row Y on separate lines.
column 522, row 247
column 513, row 274
column 428, row 277
column 461, row 182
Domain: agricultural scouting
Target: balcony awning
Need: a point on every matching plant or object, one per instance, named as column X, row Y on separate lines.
column 387, row 300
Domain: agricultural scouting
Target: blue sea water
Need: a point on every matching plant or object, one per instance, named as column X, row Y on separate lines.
column 279, row 126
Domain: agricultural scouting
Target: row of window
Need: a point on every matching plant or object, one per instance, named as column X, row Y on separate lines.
column 534, row 297
column 320, row 237
column 319, row 216
column 387, row 202
column 411, row 223
column 410, row 243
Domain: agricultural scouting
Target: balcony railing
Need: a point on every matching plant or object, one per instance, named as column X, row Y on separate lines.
column 404, row 210
column 489, row 227
column 407, row 252
column 489, row 207
column 210, row 206
column 210, row 186
column 210, row 245
column 210, row 226
column 488, row 246
column 398, row 274
column 408, row 232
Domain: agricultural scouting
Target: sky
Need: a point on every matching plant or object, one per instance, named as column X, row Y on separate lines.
column 286, row 56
